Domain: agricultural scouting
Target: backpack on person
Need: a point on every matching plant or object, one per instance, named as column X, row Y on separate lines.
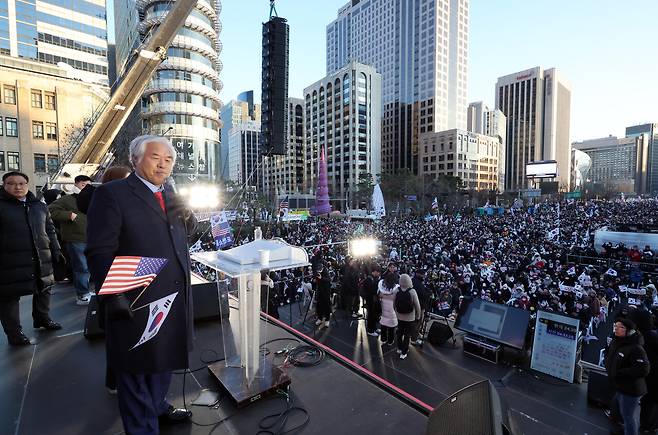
column 403, row 302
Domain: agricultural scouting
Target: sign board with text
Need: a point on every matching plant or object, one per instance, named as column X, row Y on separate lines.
column 555, row 344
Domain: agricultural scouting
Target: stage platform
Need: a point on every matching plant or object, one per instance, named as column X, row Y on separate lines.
column 537, row 403
column 57, row 385
column 57, row 388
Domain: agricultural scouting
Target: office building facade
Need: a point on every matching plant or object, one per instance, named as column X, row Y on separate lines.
column 284, row 174
column 490, row 122
column 182, row 98
column 537, row 105
column 618, row 164
column 420, row 47
column 473, row 157
column 73, row 32
column 244, row 158
column 234, row 113
column 651, row 130
column 41, row 109
column 343, row 114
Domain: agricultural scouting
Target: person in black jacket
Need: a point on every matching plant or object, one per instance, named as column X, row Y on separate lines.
column 418, row 282
column 627, row 366
column 649, row 403
column 28, row 245
column 141, row 216
column 373, row 307
column 323, row 296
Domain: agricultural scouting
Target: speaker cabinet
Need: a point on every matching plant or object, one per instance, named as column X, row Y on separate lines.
column 474, row 410
column 274, row 95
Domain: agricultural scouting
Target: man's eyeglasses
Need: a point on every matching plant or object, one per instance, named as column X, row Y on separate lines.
column 16, row 184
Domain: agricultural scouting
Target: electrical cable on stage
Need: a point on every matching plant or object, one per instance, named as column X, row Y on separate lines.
column 278, row 421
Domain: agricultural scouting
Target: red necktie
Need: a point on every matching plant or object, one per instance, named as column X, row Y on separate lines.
column 160, row 199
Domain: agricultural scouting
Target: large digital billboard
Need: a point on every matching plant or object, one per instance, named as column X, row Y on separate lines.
column 543, row 169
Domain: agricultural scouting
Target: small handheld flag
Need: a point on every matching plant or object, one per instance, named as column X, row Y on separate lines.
column 435, row 204
column 553, row 234
column 283, row 207
column 128, row 273
column 158, row 311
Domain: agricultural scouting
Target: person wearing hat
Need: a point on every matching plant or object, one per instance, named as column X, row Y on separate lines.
column 627, row 366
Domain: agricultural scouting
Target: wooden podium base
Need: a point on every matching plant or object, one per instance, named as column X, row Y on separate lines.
column 267, row 381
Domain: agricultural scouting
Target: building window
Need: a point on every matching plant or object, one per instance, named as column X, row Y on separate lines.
column 51, row 131
column 53, row 162
column 13, row 161
column 39, row 163
column 9, row 95
column 36, row 99
column 11, row 127
column 50, row 100
column 37, row 130
column 2, row 127
column 2, row 160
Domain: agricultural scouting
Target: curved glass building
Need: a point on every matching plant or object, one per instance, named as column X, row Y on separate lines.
column 182, row 99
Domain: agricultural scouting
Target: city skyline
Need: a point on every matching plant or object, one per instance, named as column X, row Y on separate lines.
column 568, row 37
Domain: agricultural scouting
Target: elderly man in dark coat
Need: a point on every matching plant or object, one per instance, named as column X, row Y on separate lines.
column 141, row 216
column 28, row 245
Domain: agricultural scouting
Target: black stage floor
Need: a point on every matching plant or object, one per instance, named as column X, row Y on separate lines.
column 538, row 404
column 57, row 386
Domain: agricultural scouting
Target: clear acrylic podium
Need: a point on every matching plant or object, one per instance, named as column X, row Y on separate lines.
column 245, row 373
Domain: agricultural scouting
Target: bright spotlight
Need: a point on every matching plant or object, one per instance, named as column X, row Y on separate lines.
column 201, row 196
column 363, row 247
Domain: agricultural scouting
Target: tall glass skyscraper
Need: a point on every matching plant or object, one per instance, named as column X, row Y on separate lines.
column 420, row 47
column 70, row 31
column 182, row 99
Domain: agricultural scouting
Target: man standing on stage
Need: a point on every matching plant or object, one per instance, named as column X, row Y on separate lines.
column 141, row 216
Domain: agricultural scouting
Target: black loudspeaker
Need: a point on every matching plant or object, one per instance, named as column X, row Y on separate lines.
column 92, row 321
column 206, row 303
column 474, row 410
column 439, row 333
column 599, row 390
column 274, row 95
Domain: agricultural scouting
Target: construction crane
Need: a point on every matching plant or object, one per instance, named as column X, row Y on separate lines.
column 89, row 154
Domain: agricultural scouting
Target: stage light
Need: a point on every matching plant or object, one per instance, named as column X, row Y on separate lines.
column 363, row 247
column 202, row 196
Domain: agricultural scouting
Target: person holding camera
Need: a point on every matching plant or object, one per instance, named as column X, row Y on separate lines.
column 627, row 365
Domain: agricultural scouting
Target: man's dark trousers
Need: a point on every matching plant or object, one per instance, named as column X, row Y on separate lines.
column 141, row 400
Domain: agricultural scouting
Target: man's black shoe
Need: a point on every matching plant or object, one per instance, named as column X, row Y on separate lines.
column 175, row 415
column 48, row 324
column 18, row 339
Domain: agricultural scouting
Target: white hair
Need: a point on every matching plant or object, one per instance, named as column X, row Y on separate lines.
column 138, row 147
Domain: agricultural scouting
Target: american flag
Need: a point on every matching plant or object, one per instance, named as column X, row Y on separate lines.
column 283, row 206
column 128, row 273
column 221, row 230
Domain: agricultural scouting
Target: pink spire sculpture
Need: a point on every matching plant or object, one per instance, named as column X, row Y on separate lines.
column 322, row 205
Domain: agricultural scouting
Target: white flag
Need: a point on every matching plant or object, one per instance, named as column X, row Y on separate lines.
column 196, row 247
column 553, row 234
column 158, row 311
column 611, row 272
column 571, row 271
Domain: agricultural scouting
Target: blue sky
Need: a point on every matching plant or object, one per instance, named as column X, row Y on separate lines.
column 608, row 50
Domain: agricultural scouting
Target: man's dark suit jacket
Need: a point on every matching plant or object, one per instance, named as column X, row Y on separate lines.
column 124, row 218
